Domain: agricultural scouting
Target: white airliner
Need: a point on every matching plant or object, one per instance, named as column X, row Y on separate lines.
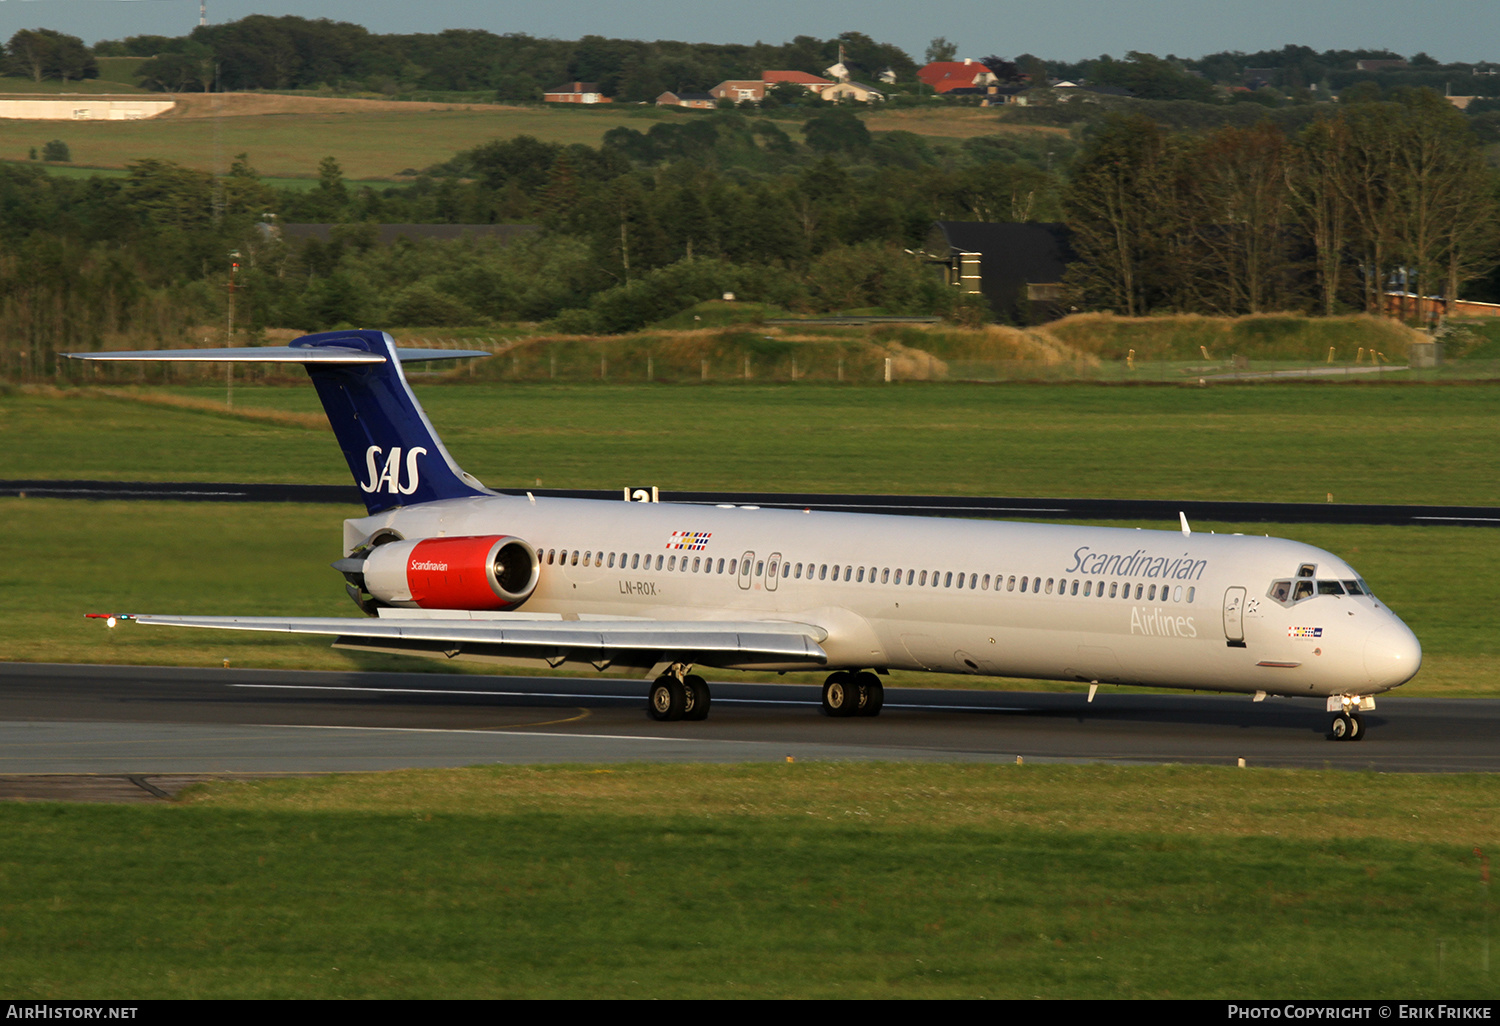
column 444, row 567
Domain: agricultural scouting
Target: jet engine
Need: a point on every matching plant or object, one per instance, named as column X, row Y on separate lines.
column 493, row 571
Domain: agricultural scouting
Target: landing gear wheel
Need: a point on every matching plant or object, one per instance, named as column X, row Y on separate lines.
column 668, row 699
column 871, row 694
column 840, row 695
column 1343, row 727
column 698, row 698
column 1357, row 728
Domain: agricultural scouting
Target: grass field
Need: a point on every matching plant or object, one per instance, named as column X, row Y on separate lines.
column 286, row 136
column 832, row 880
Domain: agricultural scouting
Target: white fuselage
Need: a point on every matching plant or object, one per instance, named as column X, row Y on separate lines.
column 947, row 595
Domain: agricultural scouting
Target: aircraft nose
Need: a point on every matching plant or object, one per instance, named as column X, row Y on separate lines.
column 1392, row 655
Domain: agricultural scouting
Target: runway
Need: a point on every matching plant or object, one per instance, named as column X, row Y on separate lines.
column 164, row 724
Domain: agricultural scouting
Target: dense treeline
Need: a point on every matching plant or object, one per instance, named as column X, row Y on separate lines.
column 1377, row 197
column 265, row 52
column 262, row 52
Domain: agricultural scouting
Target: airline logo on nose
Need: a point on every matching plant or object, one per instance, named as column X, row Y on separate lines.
column 388, row 477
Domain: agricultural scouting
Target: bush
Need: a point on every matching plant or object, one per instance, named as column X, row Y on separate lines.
column 57, row 150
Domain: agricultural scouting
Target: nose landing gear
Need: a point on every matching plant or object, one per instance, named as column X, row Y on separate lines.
column 1347, row 725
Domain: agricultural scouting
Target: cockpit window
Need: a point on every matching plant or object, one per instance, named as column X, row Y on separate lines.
column 1281, row 591
column 1303, row 590
column 1330, row 588
column 1306, row 569
column 1353, row 588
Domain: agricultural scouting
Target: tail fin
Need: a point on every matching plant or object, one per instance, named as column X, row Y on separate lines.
column 392, row 450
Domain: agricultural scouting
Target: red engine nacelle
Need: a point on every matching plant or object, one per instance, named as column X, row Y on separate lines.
column 487, row 572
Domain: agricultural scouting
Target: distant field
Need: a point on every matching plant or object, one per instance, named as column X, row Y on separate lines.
column 286, row 136
column 1359, row 441
column 373, row 145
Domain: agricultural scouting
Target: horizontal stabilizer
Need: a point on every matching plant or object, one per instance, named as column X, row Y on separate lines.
column 279, row 354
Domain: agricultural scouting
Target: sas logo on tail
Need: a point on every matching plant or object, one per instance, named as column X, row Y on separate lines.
column 388, row 478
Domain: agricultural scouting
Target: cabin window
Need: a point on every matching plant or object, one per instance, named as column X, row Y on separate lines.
column 1075, row 589
column 774, row 565
column 1113, row 589
column 1010, row 583
column 861, row 577
column 910, row 575
column 611, row 560
column 671, row 562
column 1088, row 588
column 885, row 575
column 1025, row 581
column 922, row 581
column 1151, row 594
column 822, row 571
column 786, row 570
column 1177, row 594
column 1049, row 586
column 635, row 561
column 935, row 575
column 575, row 557
column 1190, row 593
column 960, row 580
column 695, row 563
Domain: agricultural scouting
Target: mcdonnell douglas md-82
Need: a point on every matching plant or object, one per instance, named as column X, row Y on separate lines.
column 442, row 566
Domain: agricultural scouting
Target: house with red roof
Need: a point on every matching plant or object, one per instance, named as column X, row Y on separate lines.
column 946, row 76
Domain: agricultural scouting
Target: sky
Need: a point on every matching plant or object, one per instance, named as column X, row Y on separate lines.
column 1070, row 30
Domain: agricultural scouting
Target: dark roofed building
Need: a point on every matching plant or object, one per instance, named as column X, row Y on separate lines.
column 1018, row 267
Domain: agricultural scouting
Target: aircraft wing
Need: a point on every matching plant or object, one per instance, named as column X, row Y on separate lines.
column 630, row 642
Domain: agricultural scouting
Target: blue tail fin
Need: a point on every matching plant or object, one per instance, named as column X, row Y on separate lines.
column 393, row 452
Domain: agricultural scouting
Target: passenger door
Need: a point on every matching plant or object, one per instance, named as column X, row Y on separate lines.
column 1234, row 617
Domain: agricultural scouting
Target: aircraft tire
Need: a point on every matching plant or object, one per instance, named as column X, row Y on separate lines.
column 1357, row 728
column 699, row 697
column 1342, row 727
column 668, row 699
column 840, row 694
column 872, row 694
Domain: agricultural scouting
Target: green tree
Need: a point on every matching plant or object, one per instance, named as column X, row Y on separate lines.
column 1123, row 205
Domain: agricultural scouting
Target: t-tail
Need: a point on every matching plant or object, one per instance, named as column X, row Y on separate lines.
column 393, row 452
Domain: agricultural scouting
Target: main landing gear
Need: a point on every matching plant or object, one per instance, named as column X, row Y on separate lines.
column 853, row 694
column 1347, row 725
column 679, row 695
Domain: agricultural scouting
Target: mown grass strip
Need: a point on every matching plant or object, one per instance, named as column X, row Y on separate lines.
column 849, row 881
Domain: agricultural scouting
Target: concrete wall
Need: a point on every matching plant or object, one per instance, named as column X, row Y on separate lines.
column 83, row 108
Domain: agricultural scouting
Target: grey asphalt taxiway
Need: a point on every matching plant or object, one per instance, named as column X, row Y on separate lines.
column 145, row 723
